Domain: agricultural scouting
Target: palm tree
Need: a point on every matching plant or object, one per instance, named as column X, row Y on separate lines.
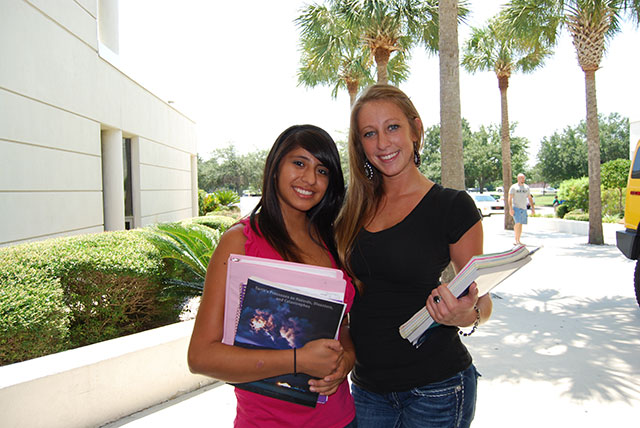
column 450, row 115
column 191, row 245
column 493, row 48
column 391, row 26
column 332, row 53
column 591, row 23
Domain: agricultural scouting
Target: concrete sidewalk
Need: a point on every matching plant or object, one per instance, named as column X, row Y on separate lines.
column 561, row 349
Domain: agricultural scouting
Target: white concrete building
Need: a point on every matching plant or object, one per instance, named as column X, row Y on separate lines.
column 83, row 148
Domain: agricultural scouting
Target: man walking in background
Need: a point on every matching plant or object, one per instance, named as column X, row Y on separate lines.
column 519, row 194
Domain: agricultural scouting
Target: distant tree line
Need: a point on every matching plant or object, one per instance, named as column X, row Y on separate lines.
column 562, row 156
column 482, row 155
column 228, row 170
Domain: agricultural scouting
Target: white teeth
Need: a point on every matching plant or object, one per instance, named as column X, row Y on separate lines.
column 389, row 156
column 304, row 192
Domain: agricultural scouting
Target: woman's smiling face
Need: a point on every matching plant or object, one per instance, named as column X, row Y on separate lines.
column 386, row 136
column 302, row 180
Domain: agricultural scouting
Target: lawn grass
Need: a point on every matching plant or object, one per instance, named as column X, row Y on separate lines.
column 544, row 200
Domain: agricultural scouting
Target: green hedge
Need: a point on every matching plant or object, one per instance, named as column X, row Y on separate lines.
column 63, row 293
column 219, row 222
column 67, row 292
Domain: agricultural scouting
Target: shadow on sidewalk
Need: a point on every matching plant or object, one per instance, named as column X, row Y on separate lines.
column 591, row 345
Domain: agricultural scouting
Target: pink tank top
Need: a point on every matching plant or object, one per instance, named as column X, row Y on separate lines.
column 255, row 410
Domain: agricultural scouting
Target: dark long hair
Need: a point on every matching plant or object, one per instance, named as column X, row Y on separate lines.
column 270, row 223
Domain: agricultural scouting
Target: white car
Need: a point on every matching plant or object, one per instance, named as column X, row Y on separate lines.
column 487, row 204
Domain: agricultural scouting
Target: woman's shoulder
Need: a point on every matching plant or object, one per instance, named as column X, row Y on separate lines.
column 233, row 240
column 447, row 194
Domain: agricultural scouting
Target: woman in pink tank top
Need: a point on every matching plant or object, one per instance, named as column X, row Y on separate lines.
column 302, row 191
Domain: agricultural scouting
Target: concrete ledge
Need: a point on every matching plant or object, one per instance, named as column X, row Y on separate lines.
column 100, row 383
column 574, row 227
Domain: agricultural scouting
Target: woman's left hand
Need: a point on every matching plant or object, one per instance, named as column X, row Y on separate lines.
column 450, row 310
column 330, row 383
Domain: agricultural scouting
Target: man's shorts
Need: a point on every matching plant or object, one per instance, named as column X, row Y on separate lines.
column 520, row 215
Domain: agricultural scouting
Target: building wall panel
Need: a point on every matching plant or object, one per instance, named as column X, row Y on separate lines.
column 156, row 178
column 71, row 16
column 161, row 202
column 28, row 215
column 29, row 121
column 35, row 168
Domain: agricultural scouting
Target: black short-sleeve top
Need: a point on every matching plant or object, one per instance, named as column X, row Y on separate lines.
column 399, row 268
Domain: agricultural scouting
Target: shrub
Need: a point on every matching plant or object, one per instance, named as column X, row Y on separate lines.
column 562, row 210
column 191, row 245
column 612, row 204
column 33, row 317
column 207, row 202
column 218, row 222
column 227, row 198
column 233, row 212
column 612, row 219
column 577, row 215
column 68, row 292
column 575, row 193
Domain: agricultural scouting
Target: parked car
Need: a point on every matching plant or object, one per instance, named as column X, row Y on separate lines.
column 627, row 240
column 487, row 204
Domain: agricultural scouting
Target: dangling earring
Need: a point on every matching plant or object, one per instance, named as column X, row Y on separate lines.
column 368, row 169
column 416, row 155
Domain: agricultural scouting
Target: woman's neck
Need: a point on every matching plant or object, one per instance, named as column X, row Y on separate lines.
column 407, row 183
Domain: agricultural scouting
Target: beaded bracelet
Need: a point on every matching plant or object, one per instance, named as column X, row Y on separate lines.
column 475, row 323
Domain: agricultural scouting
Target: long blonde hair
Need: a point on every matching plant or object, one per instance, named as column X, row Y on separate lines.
column 364, row 194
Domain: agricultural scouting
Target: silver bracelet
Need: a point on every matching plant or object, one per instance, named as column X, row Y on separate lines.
column 475, row 323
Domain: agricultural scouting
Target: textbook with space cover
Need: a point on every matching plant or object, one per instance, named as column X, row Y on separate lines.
column 329, row 283
column 487, row 270
column 322, row 283
column 272, row 316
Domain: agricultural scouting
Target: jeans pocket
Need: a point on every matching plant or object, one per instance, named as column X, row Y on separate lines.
column 441, row 403
column 445, row 388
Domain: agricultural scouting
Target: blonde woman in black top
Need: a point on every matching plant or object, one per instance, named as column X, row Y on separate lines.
column 396, row 233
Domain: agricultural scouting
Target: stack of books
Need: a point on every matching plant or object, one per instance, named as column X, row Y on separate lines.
column 271, row 304
column 487, row 270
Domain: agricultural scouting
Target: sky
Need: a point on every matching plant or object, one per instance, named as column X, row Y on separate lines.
column 232, row 68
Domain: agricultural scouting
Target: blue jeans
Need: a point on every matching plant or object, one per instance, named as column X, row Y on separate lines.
column 447, row 404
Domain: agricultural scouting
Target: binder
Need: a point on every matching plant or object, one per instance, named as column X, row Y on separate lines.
column 327, row 282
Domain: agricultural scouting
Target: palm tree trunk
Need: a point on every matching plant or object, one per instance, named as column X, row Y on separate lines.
column 503, row 84
column 352, row 88
column 382, row 59
column 593, row 144
column 450, row 116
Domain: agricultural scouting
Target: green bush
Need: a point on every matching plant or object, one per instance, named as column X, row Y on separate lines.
column 67, row 292
column 562, row 210
column 207, row 202
column 63, row 293
column 612, row 203
column 227, row 198
column 575, row 193
column 219, row 222
column 33, row 317
column 577, row 215
column 612, row 219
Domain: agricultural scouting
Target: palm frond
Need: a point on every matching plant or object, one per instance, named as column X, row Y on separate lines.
column 190, row 244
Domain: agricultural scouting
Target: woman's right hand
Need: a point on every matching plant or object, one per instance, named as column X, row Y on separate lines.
column 320, row 357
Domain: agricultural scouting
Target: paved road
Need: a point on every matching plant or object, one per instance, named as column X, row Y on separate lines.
column 561, row 349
